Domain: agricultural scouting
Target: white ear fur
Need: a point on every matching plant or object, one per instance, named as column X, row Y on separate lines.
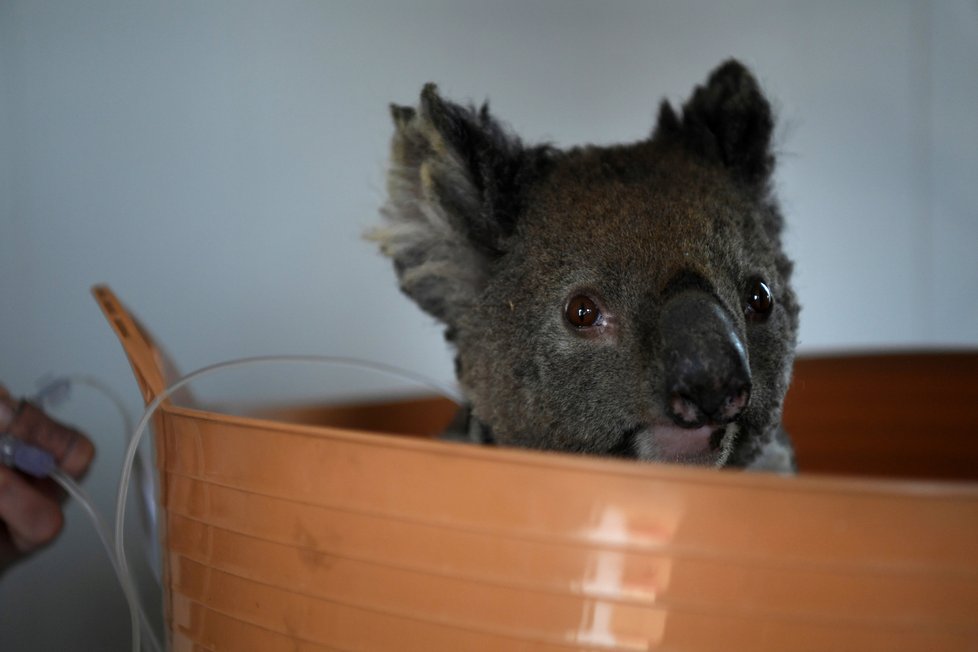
column 436, row 264
column 434, row 201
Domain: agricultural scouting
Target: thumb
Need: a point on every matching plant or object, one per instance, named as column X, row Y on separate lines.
column 72, row 450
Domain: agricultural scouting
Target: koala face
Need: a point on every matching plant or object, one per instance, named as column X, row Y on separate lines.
column 630, row 300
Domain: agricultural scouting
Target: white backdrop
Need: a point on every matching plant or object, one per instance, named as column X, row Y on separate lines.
column 217, row 162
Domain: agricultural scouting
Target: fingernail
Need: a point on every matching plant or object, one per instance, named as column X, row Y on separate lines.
column 6, row 415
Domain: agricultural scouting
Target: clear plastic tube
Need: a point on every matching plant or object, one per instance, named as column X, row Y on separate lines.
column 143, row 463
column 136, row 614
column 127, row 464
column 54, row 391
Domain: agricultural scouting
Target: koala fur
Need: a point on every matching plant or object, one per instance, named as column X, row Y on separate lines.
column 605, row 300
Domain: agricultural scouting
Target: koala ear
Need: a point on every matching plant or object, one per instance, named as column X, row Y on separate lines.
column 728, row 120
column 455, row 186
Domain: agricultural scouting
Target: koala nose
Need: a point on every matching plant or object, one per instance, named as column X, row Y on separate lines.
column 707, row 377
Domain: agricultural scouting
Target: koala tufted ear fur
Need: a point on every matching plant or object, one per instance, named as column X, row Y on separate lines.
column 455, row 186
column 728, row 121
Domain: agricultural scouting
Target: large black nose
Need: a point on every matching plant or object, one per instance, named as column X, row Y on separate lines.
column 707, row 377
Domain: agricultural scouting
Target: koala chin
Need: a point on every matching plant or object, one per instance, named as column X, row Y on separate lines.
column 631, row 300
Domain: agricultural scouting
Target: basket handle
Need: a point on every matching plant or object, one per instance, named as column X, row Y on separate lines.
column 148, row 363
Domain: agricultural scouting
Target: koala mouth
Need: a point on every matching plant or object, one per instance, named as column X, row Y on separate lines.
column 707, row 445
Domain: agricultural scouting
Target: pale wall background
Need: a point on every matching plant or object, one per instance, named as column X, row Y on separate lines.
column 216, row 163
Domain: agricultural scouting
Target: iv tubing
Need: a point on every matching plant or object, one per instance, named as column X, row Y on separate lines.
column 127, row 464
column 142, row 463
column 54, row 390
column 136, row 613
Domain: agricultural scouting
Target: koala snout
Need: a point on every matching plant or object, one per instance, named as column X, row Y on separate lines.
column 707, row 375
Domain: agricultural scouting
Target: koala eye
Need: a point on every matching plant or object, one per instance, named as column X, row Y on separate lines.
column 582, row 311
column 759, row 301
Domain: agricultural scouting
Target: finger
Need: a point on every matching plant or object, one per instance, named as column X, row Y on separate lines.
column 72, row 450
column 8, row 552
column 32, row 518
column 8, row 410
column 47, row 488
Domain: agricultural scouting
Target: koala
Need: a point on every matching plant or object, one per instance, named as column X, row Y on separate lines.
column 631, row 300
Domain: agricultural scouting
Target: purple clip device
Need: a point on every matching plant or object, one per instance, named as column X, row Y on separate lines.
column 24, row 457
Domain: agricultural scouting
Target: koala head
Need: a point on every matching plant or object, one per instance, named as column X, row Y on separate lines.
column 630, row 300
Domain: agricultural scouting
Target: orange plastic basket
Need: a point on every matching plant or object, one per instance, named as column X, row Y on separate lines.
column 284, row 536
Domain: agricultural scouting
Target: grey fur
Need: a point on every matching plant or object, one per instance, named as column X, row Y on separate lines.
column 493, row 238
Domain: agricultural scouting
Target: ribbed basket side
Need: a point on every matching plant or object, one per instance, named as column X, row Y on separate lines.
column 342, row 540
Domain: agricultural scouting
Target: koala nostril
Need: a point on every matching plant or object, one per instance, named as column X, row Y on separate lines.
column 684, row 411
column 694, row 406
column 734, row 404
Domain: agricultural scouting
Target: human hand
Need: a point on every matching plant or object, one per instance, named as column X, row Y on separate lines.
column 30, row 508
